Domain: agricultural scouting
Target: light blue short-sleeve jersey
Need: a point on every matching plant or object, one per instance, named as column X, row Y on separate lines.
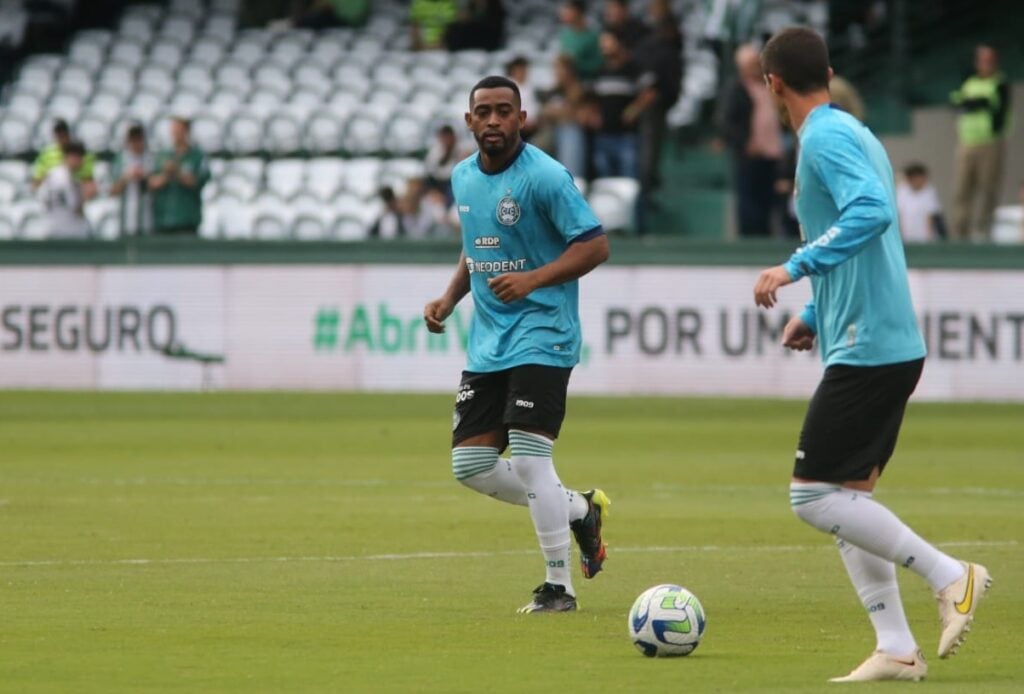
column 846, row 203
column 516, row 220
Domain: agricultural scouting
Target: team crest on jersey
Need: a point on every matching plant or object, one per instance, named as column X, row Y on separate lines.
column 508, row 210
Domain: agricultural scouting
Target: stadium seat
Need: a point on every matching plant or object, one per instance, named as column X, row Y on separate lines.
column 94, row 133
column 244, row 134
column 324, row 177
column 239, row 186
column 27, row 218
column 14, row 170
column 271, row 219
column 156, row 79
column 15, row 135
column 87, row 54
column 309, row 227
column 207, row 131
column 220, row 28
column 117, row 78
column 406, row 134
column 24, row 105
column 324, row 133
column 285, row 177
column 66, row 106
column 362, row 177
column 127, row 52
column 1008, row 225
column 9, row 190
column 179, row 26
column 166, row 53
column 273, row 77
column 234, row 218
column 103, row 215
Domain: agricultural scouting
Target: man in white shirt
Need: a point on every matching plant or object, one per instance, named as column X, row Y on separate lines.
column 63, row 196
column 919, row 208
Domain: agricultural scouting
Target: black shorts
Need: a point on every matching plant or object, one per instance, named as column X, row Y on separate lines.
column 531, row 396
column 853, row 421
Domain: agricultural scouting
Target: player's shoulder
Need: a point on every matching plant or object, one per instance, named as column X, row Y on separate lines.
column 542, row 168
column 465, row 167
column 832, row 130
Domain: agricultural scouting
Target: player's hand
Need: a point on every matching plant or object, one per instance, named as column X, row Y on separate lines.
column 435, row 313
column 512, row 286
column 768, row 283
column 797, row 335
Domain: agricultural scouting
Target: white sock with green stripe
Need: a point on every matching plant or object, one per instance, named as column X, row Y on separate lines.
column 480, row 469
column 855, row 517
column 549, row 505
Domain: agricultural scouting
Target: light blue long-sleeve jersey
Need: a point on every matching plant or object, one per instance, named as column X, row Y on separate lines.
column 846, row 203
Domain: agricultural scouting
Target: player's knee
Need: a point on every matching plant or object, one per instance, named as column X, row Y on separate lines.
column 470, row 461
column 810, row 502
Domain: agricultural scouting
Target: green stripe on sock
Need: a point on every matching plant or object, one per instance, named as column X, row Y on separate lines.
column 473, row 460
column 529, row 444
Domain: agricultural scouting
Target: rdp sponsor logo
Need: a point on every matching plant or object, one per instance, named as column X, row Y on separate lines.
column 382, row 330
column 71, row 328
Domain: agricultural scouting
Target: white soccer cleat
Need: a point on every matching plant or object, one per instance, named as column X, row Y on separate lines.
column 882, row 666
column 957, row 604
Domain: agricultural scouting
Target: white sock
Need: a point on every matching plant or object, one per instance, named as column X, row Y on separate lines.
column 860, row 520
column 480, row 469
column 875, row 581
column 549, row 505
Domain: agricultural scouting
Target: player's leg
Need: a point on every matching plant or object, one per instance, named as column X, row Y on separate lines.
column 534, row 413
column 854, row 419
column 963, row 195
column 479, row 435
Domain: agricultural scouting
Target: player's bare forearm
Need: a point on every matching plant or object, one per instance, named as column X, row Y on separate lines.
column 435, row 312
column 577, row 260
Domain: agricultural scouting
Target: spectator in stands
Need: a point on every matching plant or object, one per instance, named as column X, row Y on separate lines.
column 481, row 25
column 429, row 19
column 442, row 157
column 623, row 93
column 846, row 97
column 579, row 41
column 629, row 30
column 325, row 14
column 177, row 182
column 660, row 55
column 918, row 204
column 425, row 211
column 984, row 104
column 391, row 222
column 53, row 154
column 518, row 70
column 63, row 195
column 749, row 123
column 562, row 111
column 129, row 172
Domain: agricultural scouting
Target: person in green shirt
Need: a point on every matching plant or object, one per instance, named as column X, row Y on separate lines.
column 52, row 156
column 177, row 182
column 429, row 19
column 578, row 41
column 984, row 104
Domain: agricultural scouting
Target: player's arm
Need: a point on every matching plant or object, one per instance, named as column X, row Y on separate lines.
column 578, row 259
column 865, row 211
column 435, row 312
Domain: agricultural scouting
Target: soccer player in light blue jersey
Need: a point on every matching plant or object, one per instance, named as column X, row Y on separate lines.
column 527, row 236
column 863, row 320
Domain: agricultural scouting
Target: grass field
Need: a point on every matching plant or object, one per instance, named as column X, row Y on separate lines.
column 292, row 542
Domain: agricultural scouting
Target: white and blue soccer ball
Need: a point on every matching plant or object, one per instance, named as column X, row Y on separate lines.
column 666, row 620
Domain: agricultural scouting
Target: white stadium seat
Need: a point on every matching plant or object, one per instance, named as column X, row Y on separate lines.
column 286, row 177
column 325, row 176
column 103, row 215
column 362, row 177
column 324, row 133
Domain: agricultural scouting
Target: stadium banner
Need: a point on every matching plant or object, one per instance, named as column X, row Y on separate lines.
column 647, row 330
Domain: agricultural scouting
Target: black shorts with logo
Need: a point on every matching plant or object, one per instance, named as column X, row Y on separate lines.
column 853, row 420
column 530, row 396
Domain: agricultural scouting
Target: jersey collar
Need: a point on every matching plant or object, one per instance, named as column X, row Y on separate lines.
column 509, row 163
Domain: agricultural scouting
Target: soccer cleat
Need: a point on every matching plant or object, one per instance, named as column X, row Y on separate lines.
column 882, row 666
column 588, row 533
column 548, row 597
column 957, row 604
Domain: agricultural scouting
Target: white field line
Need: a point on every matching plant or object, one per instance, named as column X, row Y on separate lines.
column 682, row 549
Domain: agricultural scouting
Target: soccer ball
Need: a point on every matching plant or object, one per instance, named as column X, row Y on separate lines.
column 666, row 620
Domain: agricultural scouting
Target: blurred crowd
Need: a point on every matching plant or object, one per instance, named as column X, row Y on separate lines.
column 603, row 115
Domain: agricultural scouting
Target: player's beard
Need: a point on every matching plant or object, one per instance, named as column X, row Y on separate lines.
column 493, row 147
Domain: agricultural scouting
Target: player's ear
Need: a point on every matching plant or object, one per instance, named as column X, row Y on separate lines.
column 831, row 74
column 469, row 119
column 522, row 119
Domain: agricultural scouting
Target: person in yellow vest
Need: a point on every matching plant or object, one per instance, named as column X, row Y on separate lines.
column 984, row 104
column 52, row 156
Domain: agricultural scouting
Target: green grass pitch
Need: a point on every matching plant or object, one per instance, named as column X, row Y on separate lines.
column 295, row 542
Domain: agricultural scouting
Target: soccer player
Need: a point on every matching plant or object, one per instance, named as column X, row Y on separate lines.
column 863, row 320
column 527, row 236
